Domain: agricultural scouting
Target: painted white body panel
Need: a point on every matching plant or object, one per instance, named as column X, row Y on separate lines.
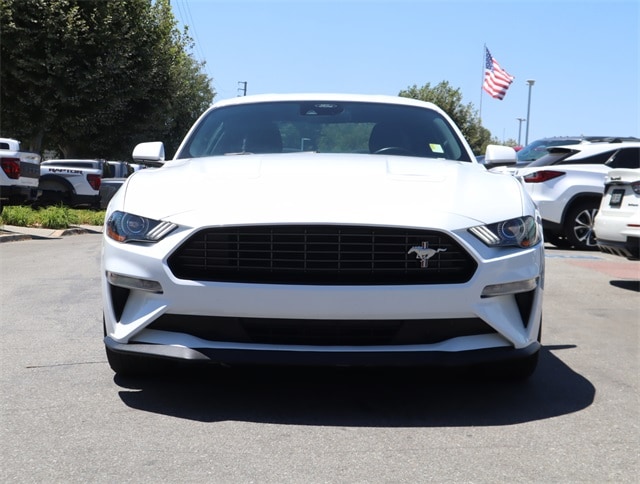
column 318, row 188
column 553, row 197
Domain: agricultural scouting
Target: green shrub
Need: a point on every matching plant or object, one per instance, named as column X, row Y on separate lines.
column 88, row 217
column 54, row 217
column 20, row 216
column 59, row 217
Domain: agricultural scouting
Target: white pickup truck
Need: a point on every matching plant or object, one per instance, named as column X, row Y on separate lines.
column 19, row 174
column 82, row 183
column 75, row 183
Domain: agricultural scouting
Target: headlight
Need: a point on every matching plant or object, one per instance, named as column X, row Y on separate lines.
column 126, row 227
column 516, row 232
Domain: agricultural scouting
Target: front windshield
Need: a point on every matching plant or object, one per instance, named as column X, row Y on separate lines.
column 324, row 127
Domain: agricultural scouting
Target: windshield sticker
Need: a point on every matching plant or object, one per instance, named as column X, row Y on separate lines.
column 436, row 148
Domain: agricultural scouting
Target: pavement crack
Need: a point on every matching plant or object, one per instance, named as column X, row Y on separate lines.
column 65, row 364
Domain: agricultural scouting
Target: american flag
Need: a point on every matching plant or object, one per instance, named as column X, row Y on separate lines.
column 496, row 79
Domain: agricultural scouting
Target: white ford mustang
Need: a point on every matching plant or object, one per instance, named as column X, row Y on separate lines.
column 323, row 229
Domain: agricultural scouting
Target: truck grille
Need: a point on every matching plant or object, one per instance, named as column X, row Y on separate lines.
column 321, row 255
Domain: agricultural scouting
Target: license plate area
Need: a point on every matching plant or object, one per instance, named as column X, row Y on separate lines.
column 616, row 198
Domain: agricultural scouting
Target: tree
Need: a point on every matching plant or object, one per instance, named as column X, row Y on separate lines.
column 91, row 79
column 450, row 100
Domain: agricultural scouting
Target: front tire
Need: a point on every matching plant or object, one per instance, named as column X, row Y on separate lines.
column 522, row 369
column 556, row 239
column 132, row 365
column 513, row 370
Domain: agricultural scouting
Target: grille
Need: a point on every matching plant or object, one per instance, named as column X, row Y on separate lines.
column 321, row 332
column 321, row 255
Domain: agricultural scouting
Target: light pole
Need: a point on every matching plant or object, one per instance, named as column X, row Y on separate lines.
column 531, row 82
column 520, row 120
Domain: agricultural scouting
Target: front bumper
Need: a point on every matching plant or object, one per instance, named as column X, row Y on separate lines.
column 359, row 357
column 132, row 316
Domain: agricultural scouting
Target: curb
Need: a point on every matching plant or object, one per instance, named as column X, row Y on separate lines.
column 14, row 234
column 69, row 231
column 9, row 237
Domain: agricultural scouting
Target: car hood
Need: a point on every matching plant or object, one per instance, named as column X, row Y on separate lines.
column 321, row 188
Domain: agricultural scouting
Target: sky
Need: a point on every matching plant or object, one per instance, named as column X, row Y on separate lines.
column 584, row 55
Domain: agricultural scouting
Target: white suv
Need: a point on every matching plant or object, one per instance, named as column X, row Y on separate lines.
column 617, row 224
column 567, row 185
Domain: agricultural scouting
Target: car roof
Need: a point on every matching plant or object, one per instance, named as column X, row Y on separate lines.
column 337, row 97
column 583, row 139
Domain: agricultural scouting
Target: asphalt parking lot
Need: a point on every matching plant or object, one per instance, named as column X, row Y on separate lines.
column 66, row 418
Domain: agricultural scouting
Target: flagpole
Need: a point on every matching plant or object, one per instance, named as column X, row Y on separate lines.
column 484, row 61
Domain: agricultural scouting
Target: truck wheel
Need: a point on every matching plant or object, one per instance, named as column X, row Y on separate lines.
column 53, row 192
column 578, row 225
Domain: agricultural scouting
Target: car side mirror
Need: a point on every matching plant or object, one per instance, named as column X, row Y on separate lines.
column 151, row 153
column 497, row 155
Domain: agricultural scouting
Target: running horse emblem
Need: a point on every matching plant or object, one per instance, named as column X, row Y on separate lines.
column 424, row 253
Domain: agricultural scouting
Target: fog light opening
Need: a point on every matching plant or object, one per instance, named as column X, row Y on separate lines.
column 510, row 288
column 134, row 283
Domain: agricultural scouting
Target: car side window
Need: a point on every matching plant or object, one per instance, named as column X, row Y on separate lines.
column 106, row 170
column 598, row 159
column 625, row 158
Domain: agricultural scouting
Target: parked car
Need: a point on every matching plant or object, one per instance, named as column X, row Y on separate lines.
column 617, row 224
column 567, row 185
column 323, row 230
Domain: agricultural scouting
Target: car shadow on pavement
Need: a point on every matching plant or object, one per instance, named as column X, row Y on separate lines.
column 359, row 397
column 626, row 284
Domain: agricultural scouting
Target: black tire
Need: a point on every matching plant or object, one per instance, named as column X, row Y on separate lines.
column 133, row 365
column 509, row 370
column 53, row 193
column 556, row 239
column 578, row 225
column 514, row 370
column 521, row 369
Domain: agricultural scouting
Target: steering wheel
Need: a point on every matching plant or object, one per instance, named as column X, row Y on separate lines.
column 393, row 150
